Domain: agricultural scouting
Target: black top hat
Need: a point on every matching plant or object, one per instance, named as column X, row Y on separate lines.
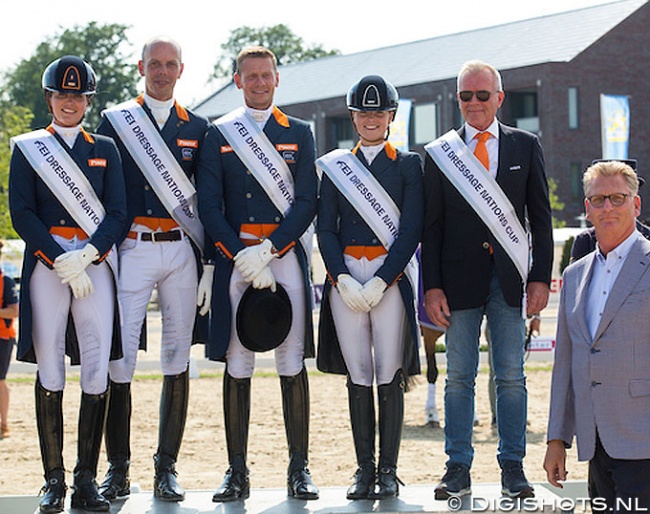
column 630, row 162
column 263, row 318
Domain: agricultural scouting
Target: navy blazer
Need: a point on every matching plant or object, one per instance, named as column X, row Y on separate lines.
column 183, row 132
column 340, row 225
column 35, row 209
column 456, row 243
column 229, row 196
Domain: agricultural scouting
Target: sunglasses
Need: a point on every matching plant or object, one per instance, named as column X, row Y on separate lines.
column 616, row 199
column 483, row 96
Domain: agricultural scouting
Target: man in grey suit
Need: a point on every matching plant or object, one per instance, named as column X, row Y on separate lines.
column 601, row 376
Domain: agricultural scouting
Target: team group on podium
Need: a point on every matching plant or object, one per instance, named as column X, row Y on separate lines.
column 220, row 217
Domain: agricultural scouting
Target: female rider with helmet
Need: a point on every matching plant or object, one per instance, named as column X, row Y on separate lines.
column 369, row 223
column 67, row 202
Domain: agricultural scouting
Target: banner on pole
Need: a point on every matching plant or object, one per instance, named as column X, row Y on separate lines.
column 615, row 126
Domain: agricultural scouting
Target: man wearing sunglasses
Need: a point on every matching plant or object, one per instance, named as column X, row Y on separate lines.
column 472, row 270
column 600, row 389
column 585, row 242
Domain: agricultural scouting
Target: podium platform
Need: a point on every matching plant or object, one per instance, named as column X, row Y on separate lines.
column 484, row 498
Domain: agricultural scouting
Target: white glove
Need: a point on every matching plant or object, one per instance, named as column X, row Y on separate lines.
column 204, row 296
column 373, row 291
column 253, row 259
column 70, row 264
column 81, row 285
column 350, row 291
column 264, row 279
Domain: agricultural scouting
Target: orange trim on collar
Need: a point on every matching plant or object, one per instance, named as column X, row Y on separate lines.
column 140, row 99
column 280, row 117
column 181, row 112
column 89, row 138
column 391, row 151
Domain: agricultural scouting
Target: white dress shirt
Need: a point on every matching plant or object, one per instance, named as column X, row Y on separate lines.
column 605, row 270
column 492, row 144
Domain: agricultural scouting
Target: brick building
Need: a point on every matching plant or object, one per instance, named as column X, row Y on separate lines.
column 554, row 70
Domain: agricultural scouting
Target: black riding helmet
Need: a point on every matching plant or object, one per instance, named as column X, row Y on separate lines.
column 372, row 93
column 70, row 74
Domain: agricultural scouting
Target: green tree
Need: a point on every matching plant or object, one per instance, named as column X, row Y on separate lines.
column 287, row 47
column 14, row 120
column 556, row 205
column 105, row 47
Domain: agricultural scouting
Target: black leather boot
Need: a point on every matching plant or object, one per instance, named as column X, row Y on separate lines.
column 49, row 421
column 391, row 418
column 362, row 418
column 173, row 412
column 117, row 437
column 92, row 414
column 295, row 404
column 236, row 411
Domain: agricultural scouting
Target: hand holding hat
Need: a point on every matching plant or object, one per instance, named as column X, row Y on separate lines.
column 373, row 291
column 263, row 318
column 264, row 280
column 252, row 260
column 350, row 291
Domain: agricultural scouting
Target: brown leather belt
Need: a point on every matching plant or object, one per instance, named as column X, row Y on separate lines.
column 157, row 237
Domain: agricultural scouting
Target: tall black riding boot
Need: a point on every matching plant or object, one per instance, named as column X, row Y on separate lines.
column 391, row 418
column 236, row 411
column 92, row 414
column 173, row 412
column 362, row 419
column 49, row 420
column 295, row 404
column 117, row 484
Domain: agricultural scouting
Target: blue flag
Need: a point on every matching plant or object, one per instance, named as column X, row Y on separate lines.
column 615, row 126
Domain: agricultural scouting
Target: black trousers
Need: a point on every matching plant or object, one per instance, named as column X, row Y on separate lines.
column 618, row 485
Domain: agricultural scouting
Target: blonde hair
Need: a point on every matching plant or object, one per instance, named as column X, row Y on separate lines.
column 255, row 51
column 610, row 169
column 477, row 67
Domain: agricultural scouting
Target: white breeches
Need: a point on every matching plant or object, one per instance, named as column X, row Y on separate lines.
column 289, row 356
column 51, row 303
column 171, row 266
column 371, row 342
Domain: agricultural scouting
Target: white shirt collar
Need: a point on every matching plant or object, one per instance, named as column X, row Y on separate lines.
column 260, row 116
column 493, row 129
column 68, row 134
column 622, row 250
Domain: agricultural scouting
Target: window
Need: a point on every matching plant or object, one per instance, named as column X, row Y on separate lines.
column 425, row 123
column 575, row 172
column 573, row 108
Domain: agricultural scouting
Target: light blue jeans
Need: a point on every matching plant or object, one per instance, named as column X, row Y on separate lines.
column 507, row 331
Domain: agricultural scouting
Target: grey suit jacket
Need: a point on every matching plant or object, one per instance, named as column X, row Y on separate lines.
column 604, row 384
